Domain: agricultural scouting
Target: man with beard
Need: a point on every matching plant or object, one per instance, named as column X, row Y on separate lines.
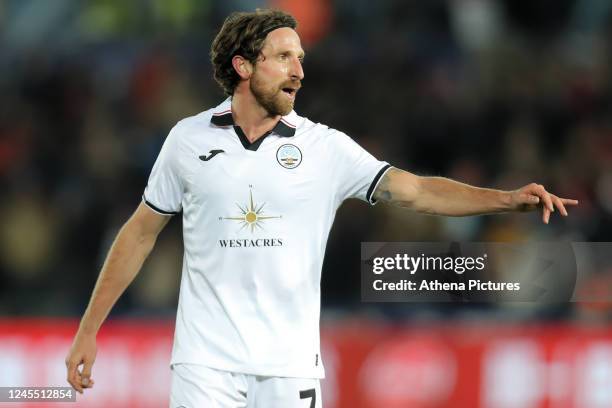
column 258, row 186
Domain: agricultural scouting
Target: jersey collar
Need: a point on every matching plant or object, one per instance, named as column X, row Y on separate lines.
column 222, row 116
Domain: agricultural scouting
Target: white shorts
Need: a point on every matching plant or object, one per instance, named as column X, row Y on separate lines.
column 197, row 386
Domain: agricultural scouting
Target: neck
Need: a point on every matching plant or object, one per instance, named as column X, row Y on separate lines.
column 252, row 118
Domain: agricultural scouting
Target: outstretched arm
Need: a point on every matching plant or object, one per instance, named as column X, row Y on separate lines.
column 442, row 196
column 127, row 254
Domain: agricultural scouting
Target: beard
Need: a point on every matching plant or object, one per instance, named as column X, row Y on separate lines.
column 270, row 98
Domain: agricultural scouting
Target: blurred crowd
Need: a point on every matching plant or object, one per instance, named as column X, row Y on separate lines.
column 492, row 93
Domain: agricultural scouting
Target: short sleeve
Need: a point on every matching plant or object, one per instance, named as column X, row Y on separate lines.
column 164, row 191
column 356, row 171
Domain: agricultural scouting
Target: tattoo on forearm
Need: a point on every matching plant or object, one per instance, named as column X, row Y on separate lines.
column 385, row 195
column 383, row 192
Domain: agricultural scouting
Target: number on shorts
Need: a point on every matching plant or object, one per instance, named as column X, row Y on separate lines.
column 309, row 394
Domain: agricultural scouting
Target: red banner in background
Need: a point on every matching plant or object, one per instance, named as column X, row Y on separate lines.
column 469, row 366
column 368, row 364
column 131, row 368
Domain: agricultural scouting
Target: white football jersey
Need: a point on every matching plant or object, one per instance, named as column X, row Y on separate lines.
column 256, row 218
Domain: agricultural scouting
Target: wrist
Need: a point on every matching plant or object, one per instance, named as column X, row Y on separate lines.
column 87, row 330
column 506, row 201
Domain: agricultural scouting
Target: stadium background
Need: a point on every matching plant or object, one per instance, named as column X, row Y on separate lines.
column 493, row 93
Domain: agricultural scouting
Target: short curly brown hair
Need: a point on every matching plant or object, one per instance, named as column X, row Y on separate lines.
column 243, row 34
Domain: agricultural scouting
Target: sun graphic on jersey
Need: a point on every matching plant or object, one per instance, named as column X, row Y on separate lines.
column 252, row 214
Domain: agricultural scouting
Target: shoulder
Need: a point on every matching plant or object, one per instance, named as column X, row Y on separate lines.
column 316, row 129
column 190, row 124
column 333, row 139
column 188, row 131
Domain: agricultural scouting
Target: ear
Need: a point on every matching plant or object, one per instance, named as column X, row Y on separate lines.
column 242, row 66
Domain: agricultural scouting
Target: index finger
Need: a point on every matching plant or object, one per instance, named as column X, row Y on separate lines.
column 568, row 201
column 86, row 374
column 73, row 376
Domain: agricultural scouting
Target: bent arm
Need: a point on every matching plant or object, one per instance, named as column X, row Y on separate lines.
column 132, row 245
column 442, row 196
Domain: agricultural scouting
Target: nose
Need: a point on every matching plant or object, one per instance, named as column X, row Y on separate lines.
column 297, row 71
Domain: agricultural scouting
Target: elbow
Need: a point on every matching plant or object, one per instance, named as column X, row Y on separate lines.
column 411, row 196
column 422, row 197
column 423, row 208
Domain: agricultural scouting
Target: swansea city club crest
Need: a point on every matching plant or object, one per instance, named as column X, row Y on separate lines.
column 289, row 156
